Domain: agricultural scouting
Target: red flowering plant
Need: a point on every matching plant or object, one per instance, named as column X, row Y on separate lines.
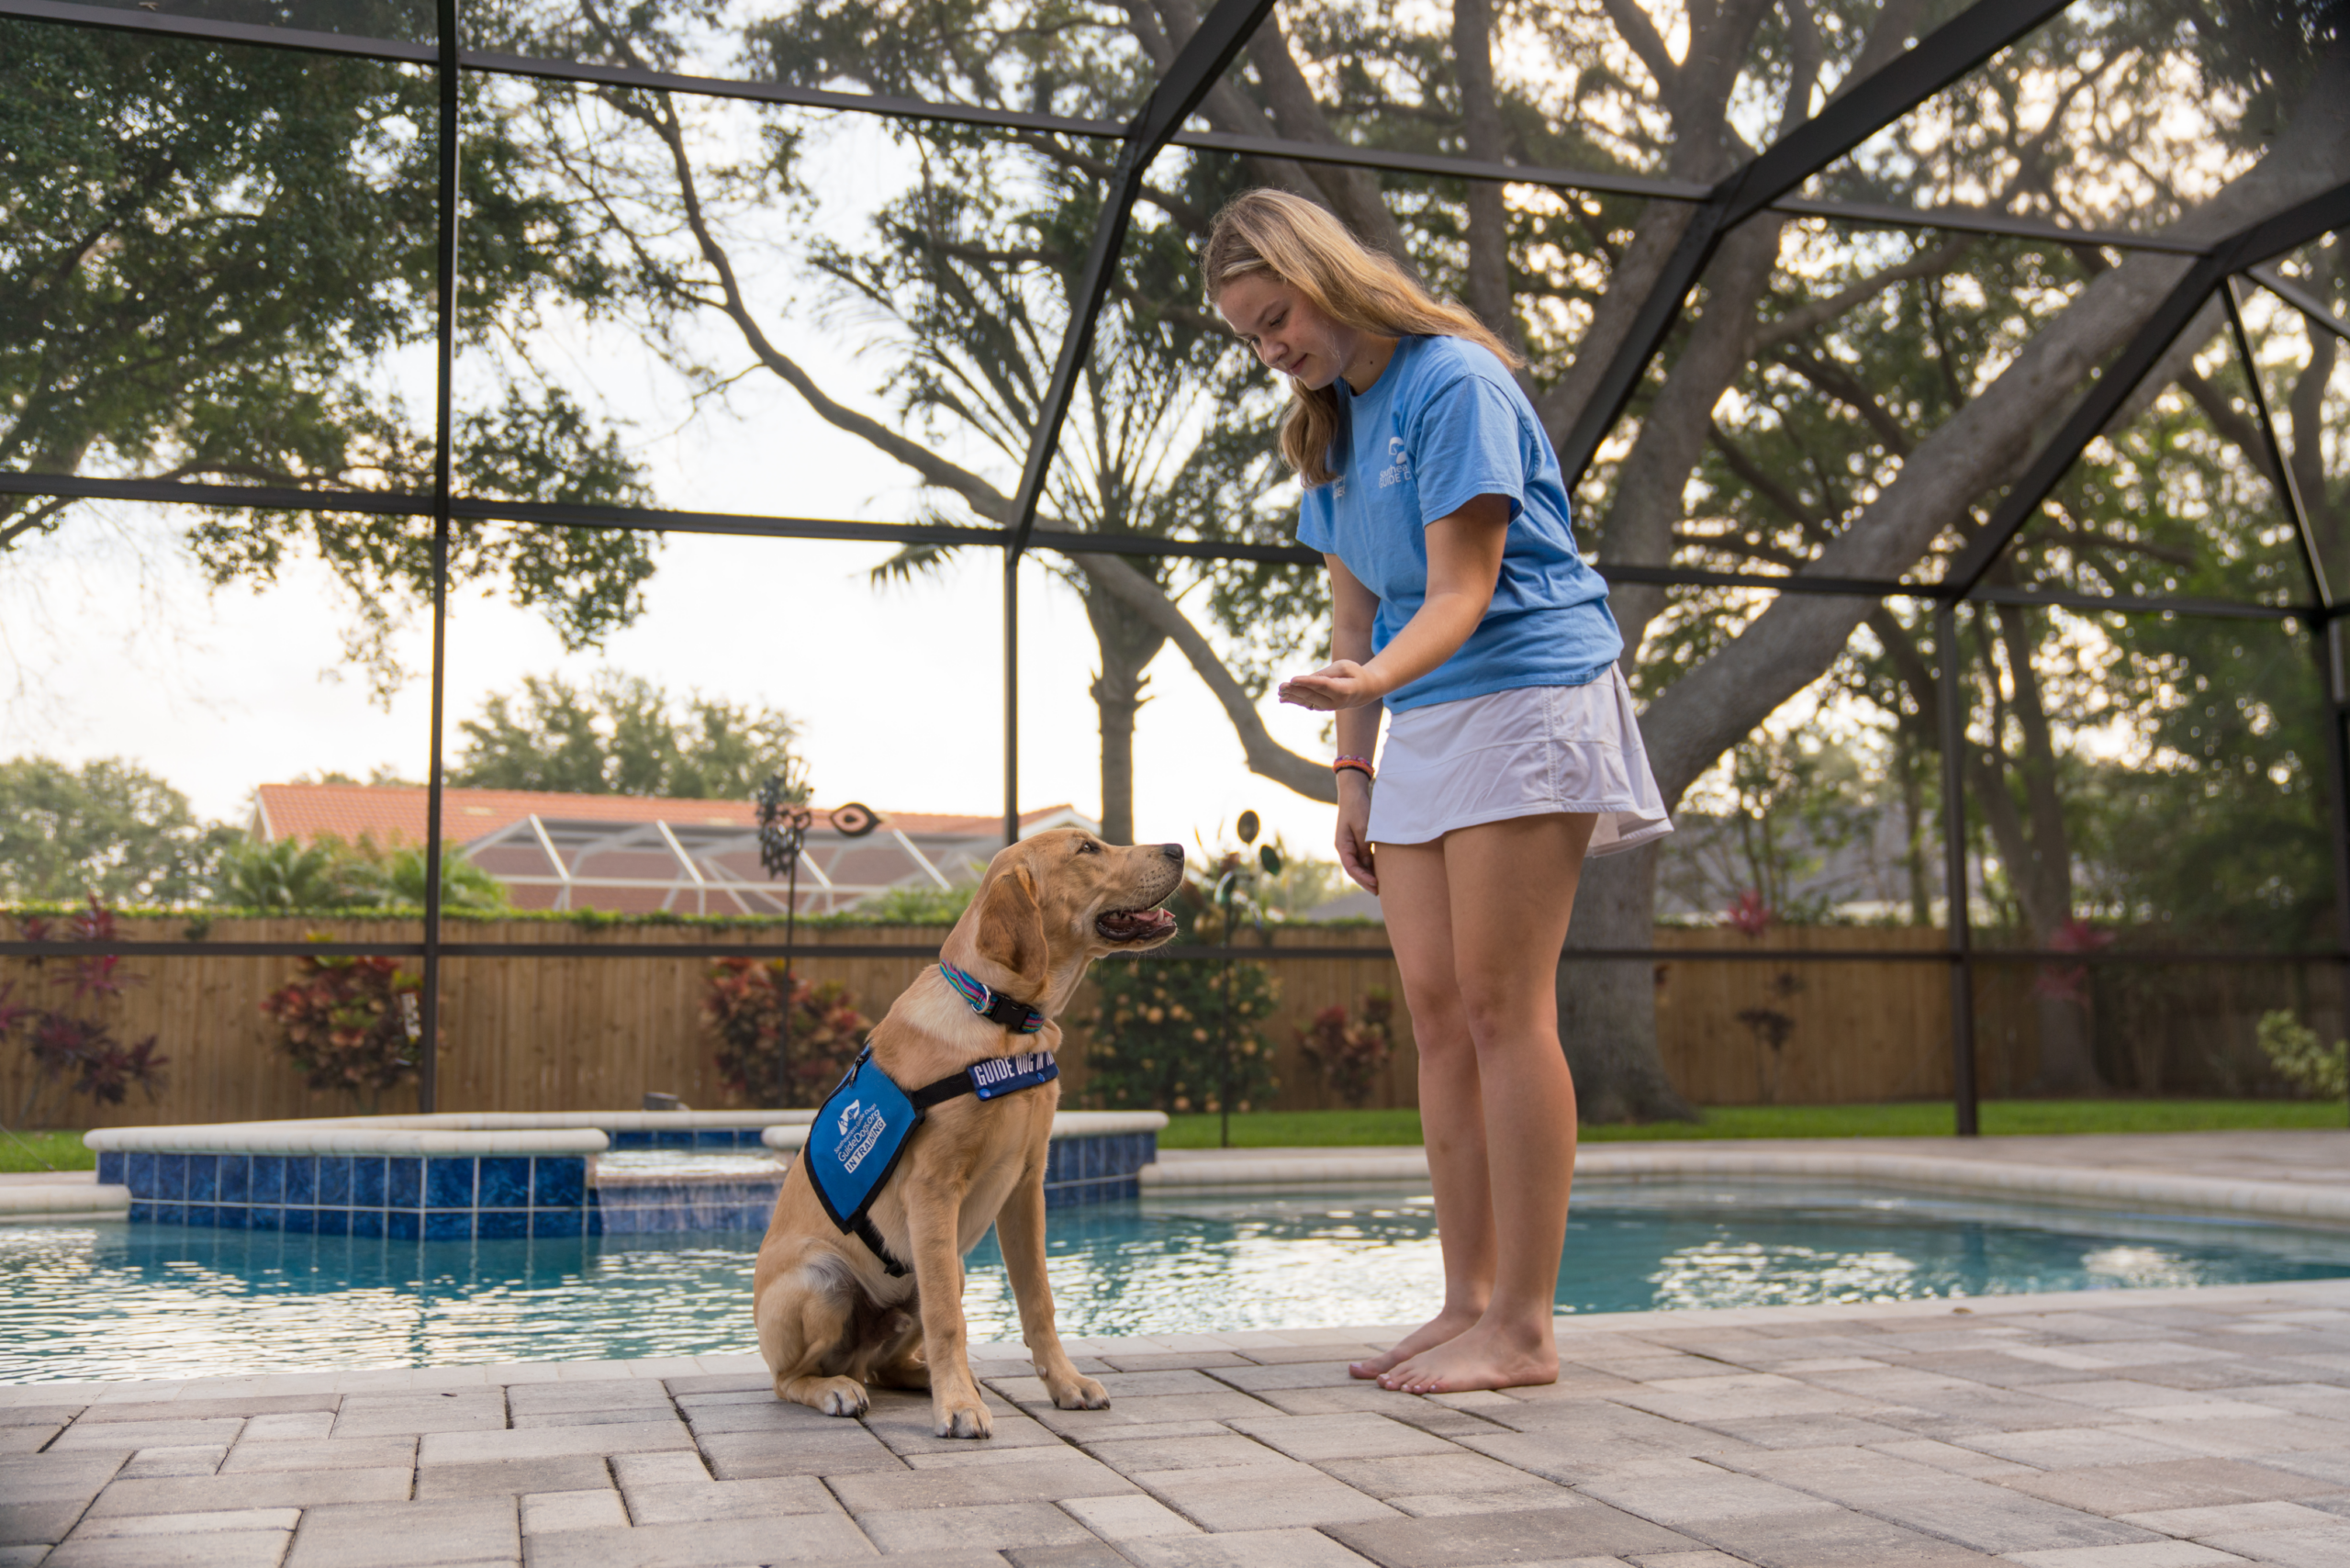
column 77, row 1050
column 1349, row 1053
column 2070, row 982
column 352, row 1023
column 742, row 1011
column 1750, row 914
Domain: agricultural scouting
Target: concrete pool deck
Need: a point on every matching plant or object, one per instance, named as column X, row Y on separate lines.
column 2097, row 1430
column 2103, row 1429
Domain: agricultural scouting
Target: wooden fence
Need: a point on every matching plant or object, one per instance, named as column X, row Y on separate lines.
column 593, row 1033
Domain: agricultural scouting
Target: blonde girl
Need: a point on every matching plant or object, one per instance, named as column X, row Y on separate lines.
column 1460, row 606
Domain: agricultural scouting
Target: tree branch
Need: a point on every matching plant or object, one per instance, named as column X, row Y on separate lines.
column 1267, row 757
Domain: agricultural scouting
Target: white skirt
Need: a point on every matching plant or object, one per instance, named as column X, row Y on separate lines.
column 1519, row 754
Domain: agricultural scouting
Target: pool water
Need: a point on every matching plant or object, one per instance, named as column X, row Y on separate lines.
column 120, row 1301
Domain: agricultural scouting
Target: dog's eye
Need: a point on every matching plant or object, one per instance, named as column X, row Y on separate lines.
column 1087, row 846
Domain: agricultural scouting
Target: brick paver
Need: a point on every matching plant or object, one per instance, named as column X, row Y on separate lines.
column 2118, row 1429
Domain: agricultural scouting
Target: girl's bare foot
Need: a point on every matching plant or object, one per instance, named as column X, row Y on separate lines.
column 1483, row 1356
column 1427, row 1336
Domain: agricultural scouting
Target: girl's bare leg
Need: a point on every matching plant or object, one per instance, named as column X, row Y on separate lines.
column 1511, row 887
column 1418, row 911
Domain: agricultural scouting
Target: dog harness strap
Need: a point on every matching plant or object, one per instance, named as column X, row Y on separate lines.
column 997, row 1009
column 870, row 1234
column 989, row 1078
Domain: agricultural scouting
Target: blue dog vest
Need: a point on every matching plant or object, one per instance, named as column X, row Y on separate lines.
column 862, row 1129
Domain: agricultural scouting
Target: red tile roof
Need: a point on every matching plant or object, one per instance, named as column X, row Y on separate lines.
column 395, row 815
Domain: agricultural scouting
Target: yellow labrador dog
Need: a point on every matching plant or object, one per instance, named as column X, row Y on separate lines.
column 842, row 1304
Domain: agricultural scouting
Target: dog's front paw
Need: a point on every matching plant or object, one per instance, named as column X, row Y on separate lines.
column 1078, row 1391
column 965, row 1420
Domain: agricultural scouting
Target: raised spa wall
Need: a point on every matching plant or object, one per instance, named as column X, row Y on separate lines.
column 490, row 1176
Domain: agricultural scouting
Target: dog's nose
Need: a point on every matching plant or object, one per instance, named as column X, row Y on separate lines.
column 1174, row 852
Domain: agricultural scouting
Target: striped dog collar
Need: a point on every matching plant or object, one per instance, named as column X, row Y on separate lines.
column 997, row 1009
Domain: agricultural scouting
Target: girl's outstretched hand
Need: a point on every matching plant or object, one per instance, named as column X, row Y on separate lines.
column 1339, row 684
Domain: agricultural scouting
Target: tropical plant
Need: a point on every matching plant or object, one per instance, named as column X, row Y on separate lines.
column 350, row 1023
column 325, row 873
column 1349, row 1053
column 76, row 1051
column 743, row 1010
column 1160, row 1034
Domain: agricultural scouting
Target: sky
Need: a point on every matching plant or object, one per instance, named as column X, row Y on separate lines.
column 112, row 645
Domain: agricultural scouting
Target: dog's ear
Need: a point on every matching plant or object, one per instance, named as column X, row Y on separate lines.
column 1012, row 926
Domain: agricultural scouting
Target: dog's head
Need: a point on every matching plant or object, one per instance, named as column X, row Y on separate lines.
column 1051, row 904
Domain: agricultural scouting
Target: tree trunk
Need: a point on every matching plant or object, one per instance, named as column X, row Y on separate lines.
column 1607, row 1006
column 1127, row 645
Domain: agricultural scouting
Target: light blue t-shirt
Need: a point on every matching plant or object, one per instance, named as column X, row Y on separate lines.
column 1442, row 425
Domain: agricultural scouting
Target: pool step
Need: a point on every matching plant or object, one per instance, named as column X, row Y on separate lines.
column 61, row 1195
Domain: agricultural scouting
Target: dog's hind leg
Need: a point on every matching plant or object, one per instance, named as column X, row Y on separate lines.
column 804, row 1321
column 898, row 1361
column 1019, row 1231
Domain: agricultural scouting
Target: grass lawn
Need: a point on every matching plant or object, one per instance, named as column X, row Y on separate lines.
column 1278, row 1129
column 44, row 1152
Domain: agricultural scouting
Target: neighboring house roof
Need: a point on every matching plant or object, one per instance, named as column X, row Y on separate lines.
column 633, row 854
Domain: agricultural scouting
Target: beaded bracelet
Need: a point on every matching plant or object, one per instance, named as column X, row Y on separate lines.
column 1354, row 765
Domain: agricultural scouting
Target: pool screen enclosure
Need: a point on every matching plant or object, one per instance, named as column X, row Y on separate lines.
column 2228, row 269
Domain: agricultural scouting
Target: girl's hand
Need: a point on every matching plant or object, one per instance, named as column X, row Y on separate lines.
column 1340, row 684
column 1354, row 830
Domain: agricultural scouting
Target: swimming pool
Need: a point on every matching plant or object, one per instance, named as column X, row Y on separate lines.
column 134, row 1301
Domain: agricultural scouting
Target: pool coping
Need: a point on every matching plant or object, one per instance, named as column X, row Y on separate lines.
column 2307, row 1204
column 989, row 1357
column 2299, row 1203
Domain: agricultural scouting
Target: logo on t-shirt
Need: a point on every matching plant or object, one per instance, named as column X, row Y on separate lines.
column 1399, row 464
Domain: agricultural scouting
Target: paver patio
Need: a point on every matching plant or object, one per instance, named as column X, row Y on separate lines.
column 2107, row 1429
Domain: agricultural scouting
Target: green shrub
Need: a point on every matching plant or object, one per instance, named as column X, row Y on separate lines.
column 742, row 1010
column 1349, row 1053
column 2320, row 1072
column 1156, row 1035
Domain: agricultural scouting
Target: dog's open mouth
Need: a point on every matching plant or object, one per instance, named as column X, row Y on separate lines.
column 1135, row 924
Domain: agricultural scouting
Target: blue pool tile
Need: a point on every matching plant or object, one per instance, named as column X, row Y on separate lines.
column 367, row 1182
column 139, row 1173
column 559, row 1182
column 171, row 1178
column 236, row 1179
column 142, row 1212
column 171, row 1214
column 201, row 1213
column 269, row 1179
column 505, row 1185
column 403, row 1183
column 267, row 1216
column 333, row 1222
column 448, row 1224
column 334, row 1181
column 631, row 1139
column 110, row 1168
column 203, row 1178
column 557, row 1221
column 403, row 1225
column 449, row 1183
column 501, row 1224
column 367, row 1223
column 595, row 1221
column 301, row 1221
column 232, row 1216
column 301, row 1179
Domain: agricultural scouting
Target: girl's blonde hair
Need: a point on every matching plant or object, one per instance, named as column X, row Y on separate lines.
column 1301, row 245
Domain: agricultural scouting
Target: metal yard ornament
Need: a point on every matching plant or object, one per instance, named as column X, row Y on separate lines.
column 783, row 834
